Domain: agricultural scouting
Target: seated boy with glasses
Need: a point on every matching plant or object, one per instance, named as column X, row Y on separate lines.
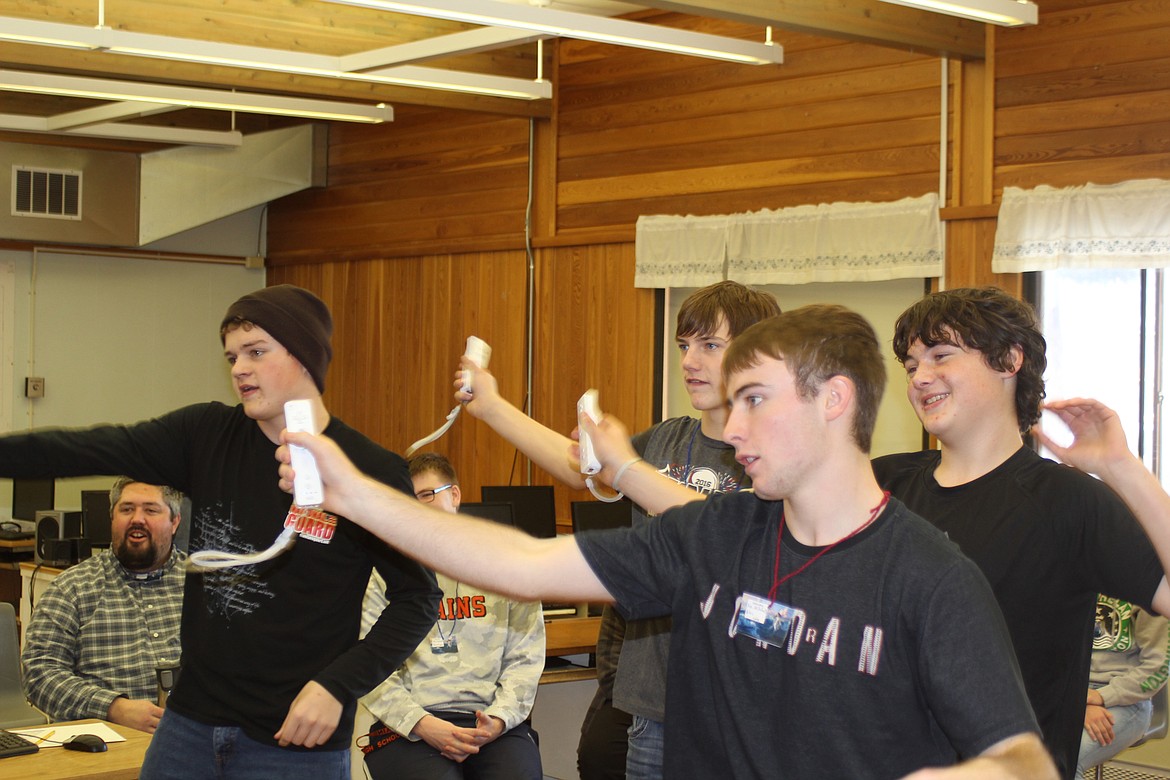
column 467, row 691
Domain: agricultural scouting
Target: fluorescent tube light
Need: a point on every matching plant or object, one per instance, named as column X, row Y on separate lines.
column 1006, row 13
column 153, row 133
column 259, row 58
column 190, row 97
column 584, row 27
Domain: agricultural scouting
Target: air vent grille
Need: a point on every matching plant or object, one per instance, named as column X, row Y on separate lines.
column 45, row 192
column 1123, row 770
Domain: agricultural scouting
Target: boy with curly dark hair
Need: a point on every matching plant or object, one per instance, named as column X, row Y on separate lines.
column 1049, row 538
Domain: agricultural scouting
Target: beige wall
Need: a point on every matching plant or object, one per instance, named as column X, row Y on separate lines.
column 117, row 339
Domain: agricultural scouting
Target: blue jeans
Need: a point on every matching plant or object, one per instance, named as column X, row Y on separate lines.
column 184, row 749
column 1129, row 724
column 644, row 754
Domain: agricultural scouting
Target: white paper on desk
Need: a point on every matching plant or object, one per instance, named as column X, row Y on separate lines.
column 64, row 733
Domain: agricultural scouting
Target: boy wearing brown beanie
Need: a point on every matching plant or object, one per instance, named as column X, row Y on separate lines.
column 271, row 666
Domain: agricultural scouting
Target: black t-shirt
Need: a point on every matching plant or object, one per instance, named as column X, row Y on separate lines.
column 899, row 658
column 254, row 635
column 1048, row 538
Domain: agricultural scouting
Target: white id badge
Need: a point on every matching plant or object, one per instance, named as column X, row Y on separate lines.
column 763, row 620
column 441, row 646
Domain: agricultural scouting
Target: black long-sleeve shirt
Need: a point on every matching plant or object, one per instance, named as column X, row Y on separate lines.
column 254, row 635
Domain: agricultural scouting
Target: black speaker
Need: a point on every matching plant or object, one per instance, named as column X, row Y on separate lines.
column 55, row 525
column 55, row 553
column 95, row 515
column 79, row 549
column 62, row 553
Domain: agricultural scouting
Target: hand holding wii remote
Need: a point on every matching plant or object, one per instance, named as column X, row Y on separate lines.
column 307, row 490
column 479, row 353
column 308, row 493
column 588, row 406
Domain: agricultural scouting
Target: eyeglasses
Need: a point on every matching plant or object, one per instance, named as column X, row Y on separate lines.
column 427, row 496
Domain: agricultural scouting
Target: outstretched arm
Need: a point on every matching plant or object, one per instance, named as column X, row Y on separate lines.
column 641, row 481
column 544, row 446
column 1099, row 447
column 558, row 455
column 1021, row 757
column 480, row 552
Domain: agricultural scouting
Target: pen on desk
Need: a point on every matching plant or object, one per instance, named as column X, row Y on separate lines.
column 45, row 736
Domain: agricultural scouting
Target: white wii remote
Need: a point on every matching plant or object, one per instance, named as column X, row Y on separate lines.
column 588, row 405
column 307, row 491
column 477, row 352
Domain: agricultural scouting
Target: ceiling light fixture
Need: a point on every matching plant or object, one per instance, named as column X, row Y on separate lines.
column 600, row 29
column 191, row 97
column 259, row 58
column 1005, row 13
column 151, row 133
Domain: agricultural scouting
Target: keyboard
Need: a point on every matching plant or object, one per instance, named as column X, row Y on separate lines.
column 13, row 534
column 15, row 745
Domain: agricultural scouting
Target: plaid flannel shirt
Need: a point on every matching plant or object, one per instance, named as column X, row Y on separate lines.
column 98, row 632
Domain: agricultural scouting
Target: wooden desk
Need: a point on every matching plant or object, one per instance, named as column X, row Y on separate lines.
column 122, row 761
column 14, row 546
column 571, row 636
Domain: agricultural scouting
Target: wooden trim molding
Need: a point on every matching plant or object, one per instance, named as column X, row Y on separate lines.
column 985, row 211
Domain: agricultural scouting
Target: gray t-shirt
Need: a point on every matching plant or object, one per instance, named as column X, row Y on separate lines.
column 678, row 448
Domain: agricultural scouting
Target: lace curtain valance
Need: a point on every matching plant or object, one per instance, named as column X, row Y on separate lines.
column 830, row 242
column 1124, row 225
column 680, row 251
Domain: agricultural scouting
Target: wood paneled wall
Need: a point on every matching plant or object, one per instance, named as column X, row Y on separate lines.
column 433, row 181
column 401, row 325
column 419, row 238
column 1084, row 96
column 595, row 330
column 644, row 134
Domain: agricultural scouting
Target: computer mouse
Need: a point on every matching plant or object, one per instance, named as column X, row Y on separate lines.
column 87, row 743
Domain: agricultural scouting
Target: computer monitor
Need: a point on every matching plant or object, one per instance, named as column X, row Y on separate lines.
column 534, row 508
column 594, row 515
column 95, row 517
column 29, row 496
column 183, row 535
column 488, row 510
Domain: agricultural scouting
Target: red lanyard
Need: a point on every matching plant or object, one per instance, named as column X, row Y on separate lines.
column 777, row 580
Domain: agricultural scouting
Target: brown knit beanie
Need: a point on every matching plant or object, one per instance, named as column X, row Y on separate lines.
column 296, row 318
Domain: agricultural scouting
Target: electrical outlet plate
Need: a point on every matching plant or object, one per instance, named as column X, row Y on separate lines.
column 34, row 387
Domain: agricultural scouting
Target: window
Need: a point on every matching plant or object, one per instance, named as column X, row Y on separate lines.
column 1103, row 328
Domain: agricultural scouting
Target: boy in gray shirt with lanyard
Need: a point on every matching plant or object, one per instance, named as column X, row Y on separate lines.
column 632, row 657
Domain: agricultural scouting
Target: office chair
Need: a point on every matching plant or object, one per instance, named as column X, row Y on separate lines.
column 14, row 708
column 1159, row 725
